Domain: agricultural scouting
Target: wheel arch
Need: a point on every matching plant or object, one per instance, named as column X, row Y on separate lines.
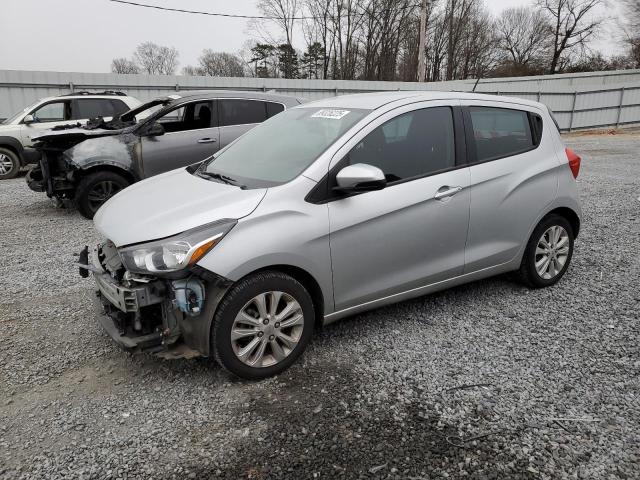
column 570, row 215
column 107, row 168
column 13, row 145
column 308, row 282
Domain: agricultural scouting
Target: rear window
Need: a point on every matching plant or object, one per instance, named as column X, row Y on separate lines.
column 500, row 132
column 241, row 112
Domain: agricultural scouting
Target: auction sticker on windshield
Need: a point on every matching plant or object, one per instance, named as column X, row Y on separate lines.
column 330, row 113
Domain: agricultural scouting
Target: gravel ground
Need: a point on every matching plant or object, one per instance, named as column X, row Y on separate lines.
column 488, row 380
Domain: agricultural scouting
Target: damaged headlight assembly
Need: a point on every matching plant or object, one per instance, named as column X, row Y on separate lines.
column 175, row 253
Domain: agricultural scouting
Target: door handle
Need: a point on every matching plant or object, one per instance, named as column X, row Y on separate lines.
column 445, row 192
column 207, row 140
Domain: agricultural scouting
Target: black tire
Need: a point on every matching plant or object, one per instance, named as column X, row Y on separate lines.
column 527, row 272
column 6, row 157
column 95, row 189
column 234, row 301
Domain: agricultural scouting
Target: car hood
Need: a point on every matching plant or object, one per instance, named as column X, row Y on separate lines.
column 169, row 204
column 73, row 133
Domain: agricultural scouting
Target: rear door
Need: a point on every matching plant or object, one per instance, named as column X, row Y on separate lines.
column 237, row 116
column 191, row 135
column 513, row 179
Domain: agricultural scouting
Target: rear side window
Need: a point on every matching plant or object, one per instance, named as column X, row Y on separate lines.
column 274, row 109
column 119, row 107
column 92, row 108
column 241, row 112
column 500, row 132
column 413, row 144
column 192, row 116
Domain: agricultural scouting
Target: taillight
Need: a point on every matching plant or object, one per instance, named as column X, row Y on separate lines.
column 574, row 161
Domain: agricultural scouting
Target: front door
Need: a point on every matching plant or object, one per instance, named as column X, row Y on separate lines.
column 47, row 116
column 191, row 135
column 413, row 232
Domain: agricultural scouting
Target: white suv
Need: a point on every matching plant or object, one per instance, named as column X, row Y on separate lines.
column 17, row 130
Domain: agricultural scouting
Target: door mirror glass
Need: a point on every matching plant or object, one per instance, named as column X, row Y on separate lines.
column 360, row 178
column 28, row 119
column 155, row 130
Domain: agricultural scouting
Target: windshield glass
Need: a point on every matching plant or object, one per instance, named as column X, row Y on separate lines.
column 21, row 113
column 281, row 148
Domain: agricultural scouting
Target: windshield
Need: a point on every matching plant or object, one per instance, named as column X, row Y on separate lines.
column 281, row 148
column 21, row 113
column 144, row 110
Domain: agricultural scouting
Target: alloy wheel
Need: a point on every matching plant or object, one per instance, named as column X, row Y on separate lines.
column 6, row 164
column 552, row 252
column 101, row 192
column 267, row 329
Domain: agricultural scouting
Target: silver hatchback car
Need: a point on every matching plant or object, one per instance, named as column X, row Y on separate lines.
column 329, row 209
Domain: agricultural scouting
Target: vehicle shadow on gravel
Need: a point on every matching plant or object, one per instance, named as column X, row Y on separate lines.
column 325, row 429
column 322, row 418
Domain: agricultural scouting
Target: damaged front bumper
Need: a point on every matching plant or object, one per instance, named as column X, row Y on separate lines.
column 41, row 178
column 168, row 317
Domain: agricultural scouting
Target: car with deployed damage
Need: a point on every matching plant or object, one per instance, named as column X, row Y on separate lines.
column 90, row 164
column 330, row 209
column 17, row 131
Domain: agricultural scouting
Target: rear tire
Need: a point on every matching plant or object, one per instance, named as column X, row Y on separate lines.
column 262, row 325
column 548, row 252
column 95, row 189
column 9, row 164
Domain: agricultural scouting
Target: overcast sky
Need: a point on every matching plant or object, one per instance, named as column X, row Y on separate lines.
column 85, row 35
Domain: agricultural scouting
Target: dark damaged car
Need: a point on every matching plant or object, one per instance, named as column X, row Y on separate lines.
column 90, row 164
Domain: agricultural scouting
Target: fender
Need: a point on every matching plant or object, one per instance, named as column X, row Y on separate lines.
column 119, row 151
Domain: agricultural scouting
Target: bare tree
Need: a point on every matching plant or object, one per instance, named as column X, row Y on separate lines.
column 632, row 11
column 457, row 15
column 123, row 65
column 155, row 59
column 282, row 13
column 573, row 23
column 316, row 29
column 220, row 64
column 523, row 36
column 478, row 54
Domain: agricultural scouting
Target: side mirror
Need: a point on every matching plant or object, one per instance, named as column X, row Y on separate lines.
column 360, row 178
column 155, row 130
column 28, row 119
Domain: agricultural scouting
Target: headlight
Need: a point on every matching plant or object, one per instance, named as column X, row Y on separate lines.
column 177, row 252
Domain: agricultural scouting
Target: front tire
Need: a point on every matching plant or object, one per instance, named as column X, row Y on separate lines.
column 262, row 325
column 95, row 189
column 548, row 252
column 9, row 164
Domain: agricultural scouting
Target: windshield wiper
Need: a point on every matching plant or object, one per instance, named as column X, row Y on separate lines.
column 219, row 177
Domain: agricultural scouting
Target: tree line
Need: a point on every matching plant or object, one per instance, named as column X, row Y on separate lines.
column 379, row 40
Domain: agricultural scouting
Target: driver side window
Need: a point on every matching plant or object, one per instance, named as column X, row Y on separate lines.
column 192, row 116
column 410, row 145
column 53, row 112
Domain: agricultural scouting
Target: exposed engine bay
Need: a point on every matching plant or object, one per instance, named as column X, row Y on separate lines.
column 142, row 312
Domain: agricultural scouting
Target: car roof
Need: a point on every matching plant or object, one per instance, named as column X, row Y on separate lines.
column 374, row 100
column 289, row 101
